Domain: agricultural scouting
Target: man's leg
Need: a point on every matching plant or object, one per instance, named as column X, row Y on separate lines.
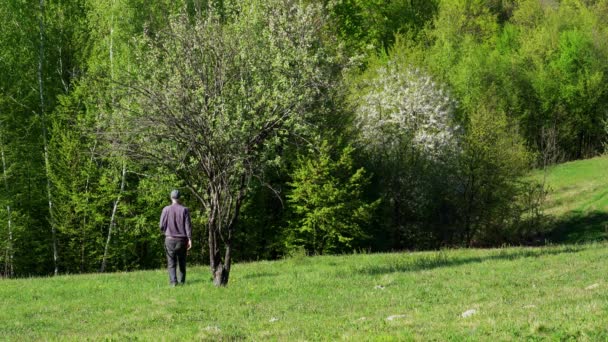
column 182, row 252
column 171, row 256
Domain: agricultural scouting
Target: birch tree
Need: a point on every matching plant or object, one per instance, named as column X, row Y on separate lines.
column 45, row 146
column 112, row 223
column 9, row 254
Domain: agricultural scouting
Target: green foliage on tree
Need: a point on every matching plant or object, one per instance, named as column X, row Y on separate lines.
column 606, row 136
column 541, row 62
column 231, row 90
column 21, row 134
column 327, row 199
column 488, row 178
column 370, row 25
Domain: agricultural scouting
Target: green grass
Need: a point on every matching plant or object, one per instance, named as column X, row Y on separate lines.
column 578, row 200
column 549, row 293
column 579, row 186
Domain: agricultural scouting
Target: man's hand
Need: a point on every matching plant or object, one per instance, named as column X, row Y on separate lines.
column 189, row 244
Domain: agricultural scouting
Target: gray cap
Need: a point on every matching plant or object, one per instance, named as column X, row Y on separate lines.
column 175, row 194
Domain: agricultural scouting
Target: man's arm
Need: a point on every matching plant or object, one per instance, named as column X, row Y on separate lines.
column 163, row 220
column 188, row 226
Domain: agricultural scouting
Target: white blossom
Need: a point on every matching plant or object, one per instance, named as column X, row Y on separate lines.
column 406, row 103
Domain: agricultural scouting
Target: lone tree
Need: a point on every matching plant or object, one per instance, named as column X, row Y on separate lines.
column 218, row 91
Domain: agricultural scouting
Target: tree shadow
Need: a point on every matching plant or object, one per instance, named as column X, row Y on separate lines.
column 190, row 281
column 440, row 259
column 260, row 275
column 579, row 227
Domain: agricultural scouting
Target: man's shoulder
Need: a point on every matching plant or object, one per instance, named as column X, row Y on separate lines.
column 177, row 206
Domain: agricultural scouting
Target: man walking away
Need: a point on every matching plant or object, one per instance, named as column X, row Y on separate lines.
column 175, row 224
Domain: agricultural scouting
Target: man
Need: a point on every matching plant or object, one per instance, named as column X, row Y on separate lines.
column 175, row 224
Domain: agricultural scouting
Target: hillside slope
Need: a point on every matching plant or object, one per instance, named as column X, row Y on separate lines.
column 578, row 200
column 552, row 293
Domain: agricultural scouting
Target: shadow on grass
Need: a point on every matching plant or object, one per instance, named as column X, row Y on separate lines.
column 260, row 275
column 198, row 281
column 440, row 259
column 578, row 227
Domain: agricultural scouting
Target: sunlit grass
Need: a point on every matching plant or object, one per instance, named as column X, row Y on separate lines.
column 518, row 293
column 549, row 293
column 580, row 186
column 577, row 201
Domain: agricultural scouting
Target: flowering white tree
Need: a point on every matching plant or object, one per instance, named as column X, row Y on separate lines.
column 406, row 125
column 404, row 103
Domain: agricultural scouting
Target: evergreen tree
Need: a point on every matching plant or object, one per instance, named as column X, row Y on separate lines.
column 327, row 198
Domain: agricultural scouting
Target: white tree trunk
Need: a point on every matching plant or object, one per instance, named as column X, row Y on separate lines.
column 44, row 137
column 124, row 170
column 9, row 265
column 83, row 229
column 113, row 217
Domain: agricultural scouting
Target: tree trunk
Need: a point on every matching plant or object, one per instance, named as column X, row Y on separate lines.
column 8, row 264
column 47, row 168
column 220, row 276
column 113, row 217
column 220, row 269
column 124, row 170
column 82, row 243
column 83, row 229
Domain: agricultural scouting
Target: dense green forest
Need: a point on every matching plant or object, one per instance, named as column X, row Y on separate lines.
column 318, row 126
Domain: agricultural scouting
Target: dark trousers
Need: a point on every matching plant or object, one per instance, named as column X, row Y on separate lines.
column 176, row 250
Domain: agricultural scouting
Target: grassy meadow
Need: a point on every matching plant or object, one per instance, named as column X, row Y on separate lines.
column 577, row 201
column 557, row 292
column 579, row 186
column 550, row 293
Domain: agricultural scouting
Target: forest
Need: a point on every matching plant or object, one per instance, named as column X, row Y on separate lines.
column 290, row 126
